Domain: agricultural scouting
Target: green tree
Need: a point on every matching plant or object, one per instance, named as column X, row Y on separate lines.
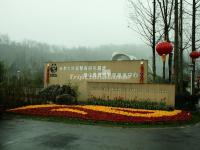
column 2, row 70
column 143, row 20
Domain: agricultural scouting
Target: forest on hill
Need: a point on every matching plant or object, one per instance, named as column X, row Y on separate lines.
column 29, row 57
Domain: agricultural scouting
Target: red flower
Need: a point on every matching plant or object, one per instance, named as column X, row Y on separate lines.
column 102, row 116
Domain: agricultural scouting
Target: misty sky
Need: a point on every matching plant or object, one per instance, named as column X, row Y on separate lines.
column 67, row 22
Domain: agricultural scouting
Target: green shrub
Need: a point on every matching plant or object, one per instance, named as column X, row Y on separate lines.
column 129, row 104
column 66, row 94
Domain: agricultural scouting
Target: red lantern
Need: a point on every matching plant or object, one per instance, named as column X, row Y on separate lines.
column 164, row 48
column 142, row 72
column 47, row 75
column 194, row 54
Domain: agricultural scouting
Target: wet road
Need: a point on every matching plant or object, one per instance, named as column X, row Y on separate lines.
column 27, row 134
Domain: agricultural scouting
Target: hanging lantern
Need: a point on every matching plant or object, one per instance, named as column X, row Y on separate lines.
column 163, row 49
column 142, row 72
column 194, row 54
column 47, row 74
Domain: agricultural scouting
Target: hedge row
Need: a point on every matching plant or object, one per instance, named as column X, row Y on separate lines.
column 130, row 104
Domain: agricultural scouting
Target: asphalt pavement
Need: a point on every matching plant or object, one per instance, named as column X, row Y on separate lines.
column 28, row 134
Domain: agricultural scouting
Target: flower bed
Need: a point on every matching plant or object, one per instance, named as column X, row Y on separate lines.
column 104, row 113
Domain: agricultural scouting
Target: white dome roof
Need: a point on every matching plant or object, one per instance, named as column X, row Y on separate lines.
column 122, row 56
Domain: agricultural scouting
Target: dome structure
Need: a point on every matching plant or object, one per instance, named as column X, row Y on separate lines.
column 122, row 56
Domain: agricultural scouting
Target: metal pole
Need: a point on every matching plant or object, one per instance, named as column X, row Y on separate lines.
column 191, row 81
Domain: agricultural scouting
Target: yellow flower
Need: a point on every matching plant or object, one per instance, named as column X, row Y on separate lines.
column 70, row 110
column 123, row 111
column 34, row 106
column 113, row 110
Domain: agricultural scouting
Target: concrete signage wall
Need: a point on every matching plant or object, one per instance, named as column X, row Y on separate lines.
column 132, row 91
column 81, row 72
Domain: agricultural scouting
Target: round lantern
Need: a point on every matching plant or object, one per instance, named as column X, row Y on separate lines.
column 194, row 54
column 47, row 74
column 141, row 72
column 164, row 48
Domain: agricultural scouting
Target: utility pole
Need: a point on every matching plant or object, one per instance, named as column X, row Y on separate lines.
column 181, row 46
column 154, row 40
column 193, row 45
column 176, row 46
